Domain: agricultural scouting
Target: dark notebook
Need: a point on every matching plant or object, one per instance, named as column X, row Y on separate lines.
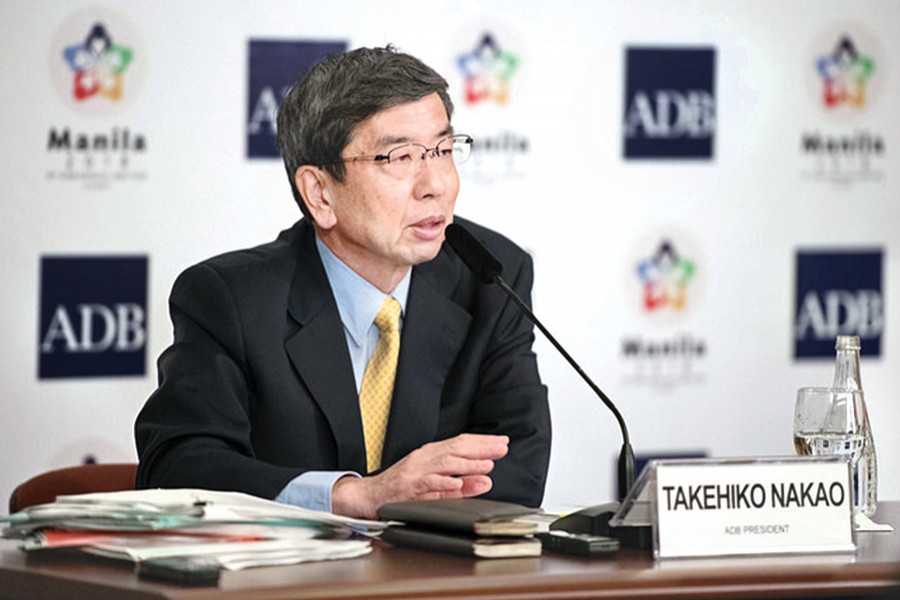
column 470, row 515
column 461, row 544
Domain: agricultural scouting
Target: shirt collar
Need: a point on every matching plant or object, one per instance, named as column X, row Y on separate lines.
column 358, row 301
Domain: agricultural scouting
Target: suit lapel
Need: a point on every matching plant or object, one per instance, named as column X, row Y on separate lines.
column 318, row 351
column 434, row 330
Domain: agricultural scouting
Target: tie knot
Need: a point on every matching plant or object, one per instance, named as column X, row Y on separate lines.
column 388, row 317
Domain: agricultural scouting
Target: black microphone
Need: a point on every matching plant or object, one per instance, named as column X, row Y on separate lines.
column 488, row 269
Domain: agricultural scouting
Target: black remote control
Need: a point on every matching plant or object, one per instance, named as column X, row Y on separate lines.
column 578, row 544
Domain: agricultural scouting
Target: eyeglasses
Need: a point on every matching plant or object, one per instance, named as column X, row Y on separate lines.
column 404, row 160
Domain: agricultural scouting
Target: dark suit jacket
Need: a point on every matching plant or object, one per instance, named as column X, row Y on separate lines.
column 258, row 387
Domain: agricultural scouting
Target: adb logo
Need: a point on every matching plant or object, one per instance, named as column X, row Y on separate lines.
column 274, row 66
column 670, row 104
column 93, row 319
column 838, row 293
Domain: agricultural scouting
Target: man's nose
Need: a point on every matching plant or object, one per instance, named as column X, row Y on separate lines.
column 432, row 176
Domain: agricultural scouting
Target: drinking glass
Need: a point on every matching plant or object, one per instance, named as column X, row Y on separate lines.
column 829, row 422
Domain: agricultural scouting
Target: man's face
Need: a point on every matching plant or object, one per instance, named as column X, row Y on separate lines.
column 384, row 224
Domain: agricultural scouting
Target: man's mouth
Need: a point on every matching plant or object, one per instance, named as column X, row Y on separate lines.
column 430, row 227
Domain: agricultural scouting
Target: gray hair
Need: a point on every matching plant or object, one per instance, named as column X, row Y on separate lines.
column 320, row 113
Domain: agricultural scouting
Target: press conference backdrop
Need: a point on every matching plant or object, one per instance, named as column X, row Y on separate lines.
column 709, row 190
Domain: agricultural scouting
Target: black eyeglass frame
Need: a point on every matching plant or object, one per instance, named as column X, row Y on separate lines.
column 462, row 137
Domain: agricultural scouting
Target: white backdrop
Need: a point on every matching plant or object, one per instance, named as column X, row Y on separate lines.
column 556, row 182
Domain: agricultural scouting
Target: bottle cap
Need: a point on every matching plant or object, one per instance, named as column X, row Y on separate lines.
column 847, row 342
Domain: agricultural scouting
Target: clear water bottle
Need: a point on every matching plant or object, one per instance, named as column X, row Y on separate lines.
column 846, row 376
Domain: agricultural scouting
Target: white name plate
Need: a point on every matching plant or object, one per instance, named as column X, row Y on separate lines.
column 760, row 506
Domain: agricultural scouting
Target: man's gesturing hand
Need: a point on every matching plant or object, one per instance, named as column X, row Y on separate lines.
column 453, row 468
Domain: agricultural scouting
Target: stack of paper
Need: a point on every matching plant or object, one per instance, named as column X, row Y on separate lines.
column 237, row 530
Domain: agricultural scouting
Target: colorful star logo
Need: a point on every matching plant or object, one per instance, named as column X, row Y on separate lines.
column 487, row 70
column 665, row 276
column 845, row 73
column 98, row 65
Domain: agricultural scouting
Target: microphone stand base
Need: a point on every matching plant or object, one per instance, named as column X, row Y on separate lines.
column 595, row 521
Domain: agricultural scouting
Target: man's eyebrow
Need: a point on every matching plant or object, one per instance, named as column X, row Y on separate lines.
column 392, row 140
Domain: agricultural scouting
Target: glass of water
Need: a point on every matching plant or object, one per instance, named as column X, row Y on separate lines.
column 829, row 422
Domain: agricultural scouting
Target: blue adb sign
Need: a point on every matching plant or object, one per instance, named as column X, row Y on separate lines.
column 838, row 293
column 670, row 103
column 93, row 320
column 274, row 66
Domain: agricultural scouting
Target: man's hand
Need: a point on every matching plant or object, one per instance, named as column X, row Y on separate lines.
column 454, row 468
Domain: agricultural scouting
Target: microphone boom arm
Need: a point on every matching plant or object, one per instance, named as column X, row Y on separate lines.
column 626, row 454
column 488, row 269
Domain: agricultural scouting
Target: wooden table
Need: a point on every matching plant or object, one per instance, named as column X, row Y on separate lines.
column 395, row 573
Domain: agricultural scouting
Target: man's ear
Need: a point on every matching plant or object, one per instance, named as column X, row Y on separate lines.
column 314, row 186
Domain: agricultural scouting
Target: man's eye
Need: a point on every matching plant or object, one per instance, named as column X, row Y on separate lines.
column 402, row 156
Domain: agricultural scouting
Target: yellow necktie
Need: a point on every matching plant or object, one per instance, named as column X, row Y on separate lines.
column 378, row 381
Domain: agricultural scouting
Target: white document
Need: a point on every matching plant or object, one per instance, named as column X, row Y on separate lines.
column 206, row 504
column 239, row 555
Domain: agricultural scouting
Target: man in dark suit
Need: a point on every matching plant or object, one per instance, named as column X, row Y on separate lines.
column 260, row 391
